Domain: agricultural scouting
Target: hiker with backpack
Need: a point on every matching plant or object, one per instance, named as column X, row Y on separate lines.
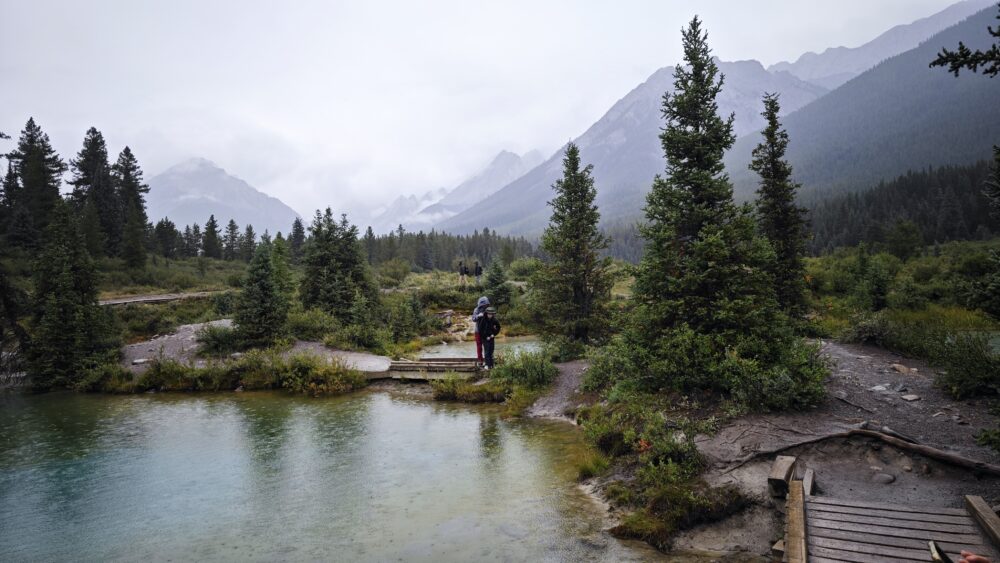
column 477, row 314
column 489, row 328
column 463, row 271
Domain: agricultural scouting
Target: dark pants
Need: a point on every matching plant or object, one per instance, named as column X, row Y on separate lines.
column 488, row 344
column 479, row 348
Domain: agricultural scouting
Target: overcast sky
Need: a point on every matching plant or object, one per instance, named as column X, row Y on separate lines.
column 350, row 103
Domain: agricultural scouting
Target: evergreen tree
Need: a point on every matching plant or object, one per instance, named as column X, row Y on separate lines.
column 574, row 287
column 297, row 240
column 21, row 231
column 280, row 253
column 991, row 188
column 211, row 247
column 134, row 237
column 262, row 309
column 39, row 170
column 370, row 244
column 248, row 243
column 9, row 190
column 166, row 236
column 781, row 221
column 90, row 167
column 965, row 58
column 495, row 284
column 127, row 176
column 196, row 239
column 231, row 242
column 706, row 316
column 13, row 336
column 90, row 227
column 69, row 328
column 335, row 270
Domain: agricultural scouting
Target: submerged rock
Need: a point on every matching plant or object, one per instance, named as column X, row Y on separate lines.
column 884, row 478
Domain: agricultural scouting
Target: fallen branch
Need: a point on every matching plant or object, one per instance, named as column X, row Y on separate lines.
column 926, row 451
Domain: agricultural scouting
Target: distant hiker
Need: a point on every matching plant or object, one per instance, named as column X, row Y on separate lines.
column 478, row 271
column 489, row 328
column 463, row 271
column 478, row 313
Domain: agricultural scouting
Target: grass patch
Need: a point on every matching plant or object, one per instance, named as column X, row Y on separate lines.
column 140, row 321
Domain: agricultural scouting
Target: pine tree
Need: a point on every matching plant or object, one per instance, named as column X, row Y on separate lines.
column 495, row 284
column 991, row 188
column 194, row 243
column 231, row 248
column 90, row 167
column 574, row 286
column 262, row 309
column 370, row 245
column 248, row 243
column 39, row 170
column 297, row 240
column 127, row 176
column 706, row 315
column 280, row 263
column 965, row 58
column 134, row 237
column 166, row 236
column 13, row 337
column 781, row 221
column 69, row 328
column 211, row 247
column 90, row 227
column 335, row 270
column 9, row 191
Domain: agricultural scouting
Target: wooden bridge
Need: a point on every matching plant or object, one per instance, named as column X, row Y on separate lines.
column 830, row 530
column 428, row 369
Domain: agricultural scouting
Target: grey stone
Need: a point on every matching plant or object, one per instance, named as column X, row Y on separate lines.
column 884, row 478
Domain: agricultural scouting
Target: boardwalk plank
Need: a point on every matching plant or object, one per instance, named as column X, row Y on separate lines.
column 909, row 543
column 887, row 506
column 924, row 535
column 939, row 518
column 862, row 557
column 915, row 553
column 968, row 528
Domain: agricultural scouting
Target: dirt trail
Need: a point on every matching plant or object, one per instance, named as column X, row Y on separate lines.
column 565, row 394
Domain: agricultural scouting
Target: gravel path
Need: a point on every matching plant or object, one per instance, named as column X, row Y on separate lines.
column 565, row 394
column 158, row 298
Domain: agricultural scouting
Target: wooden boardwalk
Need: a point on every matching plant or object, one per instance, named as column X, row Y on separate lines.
column 822, row 529
column 428, row 369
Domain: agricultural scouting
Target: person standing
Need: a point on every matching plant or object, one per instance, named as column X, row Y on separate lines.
column 478, row 271
column 463, row 271
column 477, row 313
column 489, row 328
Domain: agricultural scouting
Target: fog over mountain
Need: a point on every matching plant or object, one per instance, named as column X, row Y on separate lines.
column 837, row 65
column 189, row 192
column 625, row 149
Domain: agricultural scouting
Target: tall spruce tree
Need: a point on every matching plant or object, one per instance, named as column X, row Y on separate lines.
column 231, row 249
column 280, row 264
column 248, row 243
column 167, row 238
column 297, row 240
column 574, row 286
column 706, row 315
column 131, row 192
column 781, row 221
column 69, row 330
column 335, row 270
column 90, row 227
column 134, row 237
column 262, row 309
column 90, row 167
column 211, row 247
column 39, row 171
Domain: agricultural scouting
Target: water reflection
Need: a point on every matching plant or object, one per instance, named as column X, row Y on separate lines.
column 261, row 476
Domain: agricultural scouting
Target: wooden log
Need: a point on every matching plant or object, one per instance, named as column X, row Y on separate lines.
column 808, row 482
column 781, row 474
column 795, row 534
column 987, row 519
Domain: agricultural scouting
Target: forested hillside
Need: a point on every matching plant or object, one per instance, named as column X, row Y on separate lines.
column 899, row 116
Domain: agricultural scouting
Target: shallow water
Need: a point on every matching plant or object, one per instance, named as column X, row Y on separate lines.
column 267, row 476
column 468, row 349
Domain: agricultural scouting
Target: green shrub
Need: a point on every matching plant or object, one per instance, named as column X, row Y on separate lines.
column 392, row 273
column 217, row 340
column 109, row 377
column 528, row 369
column 311, row 375
column 523, row 268
column 225, row 302
column 311, row 324
column 970, row 366
column 593, row 465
